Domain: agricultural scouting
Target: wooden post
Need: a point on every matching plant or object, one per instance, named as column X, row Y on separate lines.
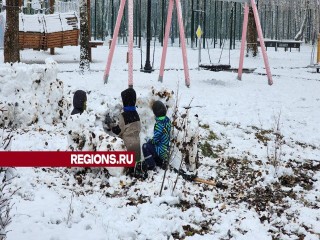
column 51, row 11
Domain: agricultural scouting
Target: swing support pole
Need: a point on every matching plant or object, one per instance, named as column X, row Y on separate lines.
column 114, row 40
column 261, row 39
column 183, row 44
column 130, row 42
column 165, row 42
column 182, row 38
column 243, row 39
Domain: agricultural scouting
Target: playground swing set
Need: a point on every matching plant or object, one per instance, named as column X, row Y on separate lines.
column 183, row 41
column 41, row 32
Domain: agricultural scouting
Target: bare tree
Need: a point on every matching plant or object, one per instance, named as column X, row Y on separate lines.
column 299, row 35
column 11, row 36
column 84, row 37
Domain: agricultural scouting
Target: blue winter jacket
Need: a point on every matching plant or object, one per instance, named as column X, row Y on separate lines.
column 161, row 137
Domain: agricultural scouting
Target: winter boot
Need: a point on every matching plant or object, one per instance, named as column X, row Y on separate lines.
column 140, row 170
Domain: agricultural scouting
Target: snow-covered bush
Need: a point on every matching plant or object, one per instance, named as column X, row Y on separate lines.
column 184, row 135
column 83, row 135
column 185, row 139
column 80, row 132
column 6, row 135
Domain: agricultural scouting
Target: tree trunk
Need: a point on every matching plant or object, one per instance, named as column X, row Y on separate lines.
column 252, row 35
column 11, row 36
column 84, row 37
column 299, row 35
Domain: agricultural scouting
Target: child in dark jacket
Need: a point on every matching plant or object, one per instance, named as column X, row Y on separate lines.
column 156, row 150
column 79, row 102
column 129, row 126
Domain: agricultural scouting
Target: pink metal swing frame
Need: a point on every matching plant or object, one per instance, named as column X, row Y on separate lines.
column 260, row 35
column 130, row 43
column 183, row 41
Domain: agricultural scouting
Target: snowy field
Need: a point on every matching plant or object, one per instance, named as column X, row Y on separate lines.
column 260, row 143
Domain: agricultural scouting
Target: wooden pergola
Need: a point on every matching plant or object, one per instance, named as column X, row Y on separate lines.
column 40, row 32
column 43, row 38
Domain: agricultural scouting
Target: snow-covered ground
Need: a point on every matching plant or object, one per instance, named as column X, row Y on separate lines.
column 261, row 192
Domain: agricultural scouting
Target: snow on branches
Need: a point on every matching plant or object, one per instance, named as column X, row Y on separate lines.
column 6, row 176
column 184, row 135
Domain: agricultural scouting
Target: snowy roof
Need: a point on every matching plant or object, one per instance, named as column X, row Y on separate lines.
column 48, row 23
column 30, row 23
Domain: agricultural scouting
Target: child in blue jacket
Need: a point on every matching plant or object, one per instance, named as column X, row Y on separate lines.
column 156, row 150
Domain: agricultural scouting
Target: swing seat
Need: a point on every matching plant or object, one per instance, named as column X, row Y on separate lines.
column 215, row 67
column 225, row 67
column 316, row 66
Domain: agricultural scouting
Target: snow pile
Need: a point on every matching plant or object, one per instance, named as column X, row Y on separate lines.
column 31, row 95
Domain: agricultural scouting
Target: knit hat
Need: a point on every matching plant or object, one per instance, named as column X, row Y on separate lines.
column 79, row 99
column 159, row 109
column 129, row 97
